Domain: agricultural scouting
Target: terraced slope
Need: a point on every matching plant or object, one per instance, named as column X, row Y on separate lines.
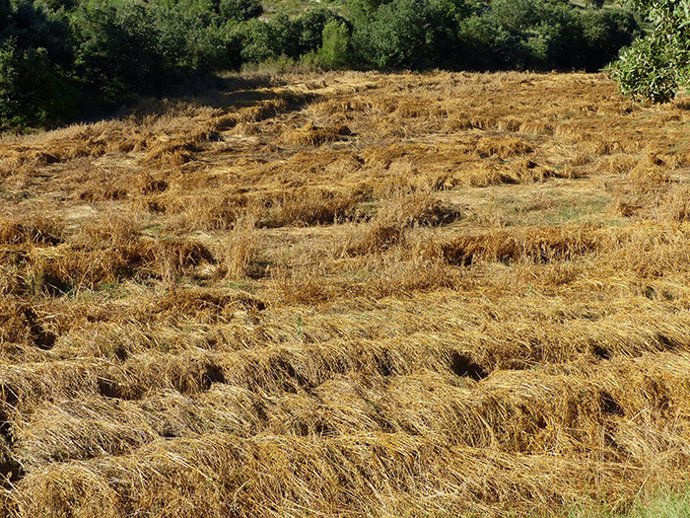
column 350, row 295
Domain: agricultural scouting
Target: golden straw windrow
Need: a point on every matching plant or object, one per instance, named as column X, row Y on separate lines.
column 355, row 294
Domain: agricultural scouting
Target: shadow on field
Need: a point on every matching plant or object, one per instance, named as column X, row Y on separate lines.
column 170, row 130
column 226, row 93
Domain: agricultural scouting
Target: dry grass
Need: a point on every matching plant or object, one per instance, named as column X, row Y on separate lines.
column 350, row 295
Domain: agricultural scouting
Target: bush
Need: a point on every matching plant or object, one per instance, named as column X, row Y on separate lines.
column 116, row 47
column 525, row 34
column 489, row 45
column 645, row 70
column 9, row 81
column 335, row 49
column 283, row 36
column 397, row 34
column 309, row 29
column 144, row 47
column 257, row 42
column 34, row 84
column 189, row 38
column 239, row 10
column 605, row 32
column 492, row 35
column 545, row 35
column 658, row 66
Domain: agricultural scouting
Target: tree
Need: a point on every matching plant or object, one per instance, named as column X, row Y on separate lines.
column 34, row 60
column 309, row 28
column 523, row 34
column 335, row 50
column 402, row 34
column 605, row 32
column 116, row 47
column 9, row 80
column 135, row 46
column 657, row 66
column 239, row 10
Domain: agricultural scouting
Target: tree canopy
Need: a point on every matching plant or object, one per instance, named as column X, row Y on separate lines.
column 657, row 66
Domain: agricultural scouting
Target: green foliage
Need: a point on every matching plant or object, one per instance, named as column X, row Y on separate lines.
column 545, row 35
column 605, row 32
column 239, row 10
column 9, row 80
column 404, row 34
column 335, row 50
column 189, row 38
column 310, row 26
column 116, row 46
column 283, row 36
column 658, row 66
column 257, row 42
column 135, row 46
column 58, row 56
column 666, row 504
column 487, row 35
column 645, row 70
column 34, row 85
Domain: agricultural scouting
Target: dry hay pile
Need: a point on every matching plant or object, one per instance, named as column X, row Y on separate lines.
column 364, row 295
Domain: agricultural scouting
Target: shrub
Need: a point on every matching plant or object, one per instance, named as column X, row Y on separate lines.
column 310, row 27
column 658, row 66
column 397, row 34
column 257, row 42
column 605, row 32
column 189, row 39
column 645, row 70
column 34, row 87
column 335, row 49
column 283, row 36
column 535, row 34
column 544, row 35
column 489, row 45
column 136, row 46
column 9, row 80
column 239, row 10
column 116, row 47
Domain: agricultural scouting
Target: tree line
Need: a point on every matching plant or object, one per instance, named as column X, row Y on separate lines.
column 60, row 57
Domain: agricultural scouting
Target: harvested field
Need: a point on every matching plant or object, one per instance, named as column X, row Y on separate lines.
column 355, row 294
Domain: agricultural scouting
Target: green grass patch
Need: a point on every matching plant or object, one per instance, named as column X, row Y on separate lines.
column 667, row 504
